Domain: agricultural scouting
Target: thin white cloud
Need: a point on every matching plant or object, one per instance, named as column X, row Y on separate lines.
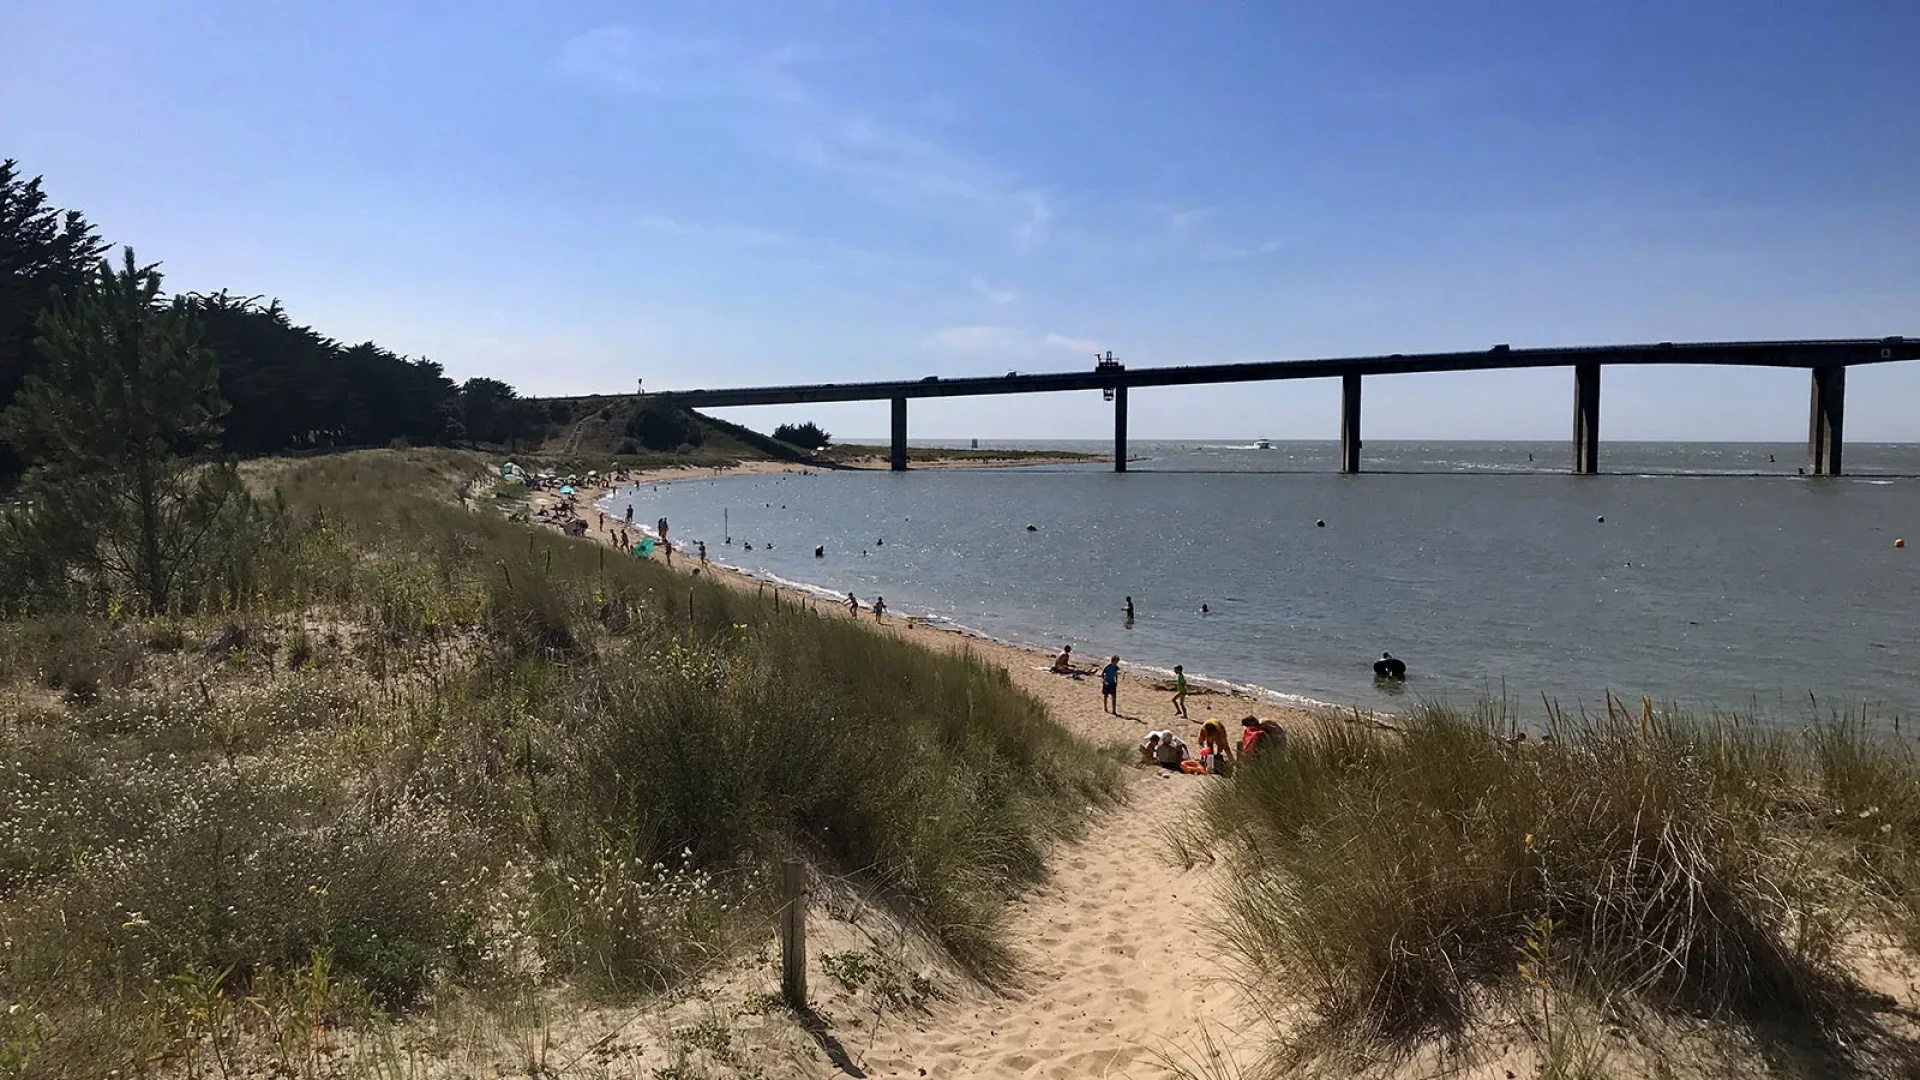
column 880, row 161
column 1181, row 220
column 732, row 235
column 1071, row 344
column 1243, row 251
column 623, row 58
column 976, row 338
column 992, row 295
column 1005, row 339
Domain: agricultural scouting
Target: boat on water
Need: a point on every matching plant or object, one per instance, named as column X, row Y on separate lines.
column 1263, row 444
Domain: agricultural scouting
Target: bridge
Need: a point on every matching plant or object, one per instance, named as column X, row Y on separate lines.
column 1827, row 361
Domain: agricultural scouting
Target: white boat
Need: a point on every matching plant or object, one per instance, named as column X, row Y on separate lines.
column 1262, row 444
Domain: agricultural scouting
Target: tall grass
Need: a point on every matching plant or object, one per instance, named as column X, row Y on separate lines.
column 1402, row 885
column 435, row 750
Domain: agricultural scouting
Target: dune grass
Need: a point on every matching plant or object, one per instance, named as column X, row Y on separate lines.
column 436, row 752
column 1401, row 887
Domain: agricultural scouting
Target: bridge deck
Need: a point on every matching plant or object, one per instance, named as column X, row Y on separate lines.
column 1784, row 354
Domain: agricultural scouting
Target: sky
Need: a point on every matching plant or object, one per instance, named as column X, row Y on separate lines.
column 575, row 196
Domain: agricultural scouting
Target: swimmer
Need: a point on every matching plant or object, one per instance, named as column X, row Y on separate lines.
column 1389, row 667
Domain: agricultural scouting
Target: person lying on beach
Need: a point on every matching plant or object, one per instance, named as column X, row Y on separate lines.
column 1063, row 664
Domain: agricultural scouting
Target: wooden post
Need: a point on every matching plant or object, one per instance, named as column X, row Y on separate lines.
column 1119, row 429
column 1586, row 418
column 1824, row 426
column 793, row 933
column 1349, row 423
column 899, row 462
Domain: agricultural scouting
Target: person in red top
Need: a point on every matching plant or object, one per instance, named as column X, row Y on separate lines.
column 1249, row 735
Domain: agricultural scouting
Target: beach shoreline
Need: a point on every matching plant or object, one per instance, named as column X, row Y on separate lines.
column 1074, row 700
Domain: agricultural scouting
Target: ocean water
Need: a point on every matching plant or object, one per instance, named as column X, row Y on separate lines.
column 1718, row 579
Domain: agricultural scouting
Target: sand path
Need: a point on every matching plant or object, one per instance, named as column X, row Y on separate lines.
column 1118, row 973
column 1118, row 952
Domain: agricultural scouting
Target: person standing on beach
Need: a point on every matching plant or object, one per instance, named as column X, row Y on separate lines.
column 879, row 609
column 1179, row 690
column 1110, row 685
column 663, row 530
column 703, row 551
column 853, row 605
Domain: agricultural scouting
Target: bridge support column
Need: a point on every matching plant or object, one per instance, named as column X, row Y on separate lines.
column 1349, row 423
column 1586, row 418
column 1119, row 429
column 899, row 457
column 1824, row 425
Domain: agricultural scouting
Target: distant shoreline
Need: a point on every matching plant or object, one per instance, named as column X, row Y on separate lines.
column 1021, row 660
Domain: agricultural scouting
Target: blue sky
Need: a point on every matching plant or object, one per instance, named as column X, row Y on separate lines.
column 570, row 196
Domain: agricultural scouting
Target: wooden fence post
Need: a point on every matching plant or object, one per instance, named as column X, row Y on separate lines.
column 793, row 933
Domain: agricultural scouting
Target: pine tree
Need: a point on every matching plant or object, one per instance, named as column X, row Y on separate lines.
column 41, row 249
column 124, row 392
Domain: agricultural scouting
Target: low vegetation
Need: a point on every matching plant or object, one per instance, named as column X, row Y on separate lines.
column 435, row 750
column 1402, row 887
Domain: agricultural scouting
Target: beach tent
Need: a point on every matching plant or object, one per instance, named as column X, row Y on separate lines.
column 566, row 489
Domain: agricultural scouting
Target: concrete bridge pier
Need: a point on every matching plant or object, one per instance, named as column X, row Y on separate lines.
column 1824, row 425
column 1119, row 429
column 1349, row 423
column 898, row 460
column 1586, row 418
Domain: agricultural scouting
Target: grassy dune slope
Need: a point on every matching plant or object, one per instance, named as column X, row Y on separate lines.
column 441, row 754
column 1641, row 873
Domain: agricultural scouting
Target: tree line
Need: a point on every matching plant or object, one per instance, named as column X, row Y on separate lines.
column 286, row 386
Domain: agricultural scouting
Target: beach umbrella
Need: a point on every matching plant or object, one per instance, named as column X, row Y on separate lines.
column 566, row 489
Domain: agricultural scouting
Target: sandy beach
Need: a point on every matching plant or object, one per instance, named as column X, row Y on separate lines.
column 1121, row 953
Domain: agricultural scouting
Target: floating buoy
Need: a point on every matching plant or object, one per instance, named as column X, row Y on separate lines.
column 1899, row 543
column 1320, row 523
column 1031, row 527
column 1601, row 519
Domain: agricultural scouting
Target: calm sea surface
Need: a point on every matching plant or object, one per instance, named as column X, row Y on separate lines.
column 1719, row 579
